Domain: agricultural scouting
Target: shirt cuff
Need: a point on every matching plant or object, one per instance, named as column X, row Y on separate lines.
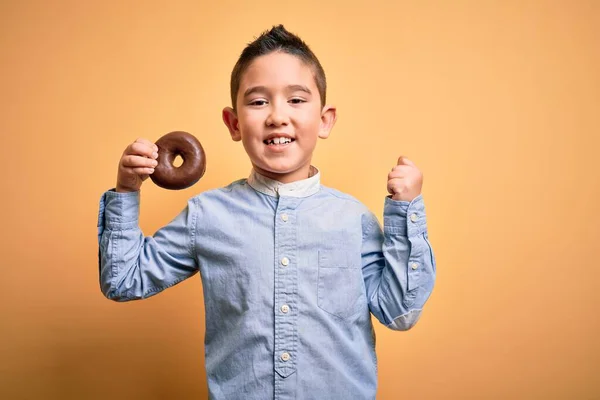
column 404, row 218
column 119, row 211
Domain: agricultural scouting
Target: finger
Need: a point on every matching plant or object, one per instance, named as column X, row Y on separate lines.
column 143, row 171
column 142, row 149
column 147, row 148
column 405, row 161
column 132, row 161
column 399, row 171
column 395, row 186
column 147, row 142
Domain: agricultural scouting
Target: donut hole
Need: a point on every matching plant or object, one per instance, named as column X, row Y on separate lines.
column 177, row 161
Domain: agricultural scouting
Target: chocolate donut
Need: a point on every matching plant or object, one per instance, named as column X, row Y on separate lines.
column 174, row 144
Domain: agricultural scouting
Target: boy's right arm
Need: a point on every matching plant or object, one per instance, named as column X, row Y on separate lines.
column 133, row 266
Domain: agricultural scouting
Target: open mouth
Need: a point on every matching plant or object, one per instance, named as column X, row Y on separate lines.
column 278, row 140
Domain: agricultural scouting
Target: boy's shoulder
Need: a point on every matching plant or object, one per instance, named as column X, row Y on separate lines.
column 343, row 199
column 221, row 191
column 338, row 194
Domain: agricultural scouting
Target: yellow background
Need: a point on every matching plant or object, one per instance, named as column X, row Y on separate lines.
column 498, row 103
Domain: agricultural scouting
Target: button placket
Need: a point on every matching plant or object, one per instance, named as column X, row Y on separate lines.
column 286, row 286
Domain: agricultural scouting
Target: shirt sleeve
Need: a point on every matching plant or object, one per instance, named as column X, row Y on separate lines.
column 398, row 263
column 133, row 266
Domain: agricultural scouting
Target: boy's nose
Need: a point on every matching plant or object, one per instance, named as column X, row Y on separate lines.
column 277, row 117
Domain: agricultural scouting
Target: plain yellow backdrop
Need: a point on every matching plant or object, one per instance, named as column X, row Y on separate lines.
column 497, row 102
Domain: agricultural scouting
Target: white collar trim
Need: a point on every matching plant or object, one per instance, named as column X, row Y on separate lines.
column 271, row 187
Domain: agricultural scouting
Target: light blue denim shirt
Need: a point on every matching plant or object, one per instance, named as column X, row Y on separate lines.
column 291, row 274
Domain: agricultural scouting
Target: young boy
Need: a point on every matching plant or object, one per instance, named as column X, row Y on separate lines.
column 291, row 270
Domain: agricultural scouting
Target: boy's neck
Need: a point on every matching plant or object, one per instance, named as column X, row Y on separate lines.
column 285, row 179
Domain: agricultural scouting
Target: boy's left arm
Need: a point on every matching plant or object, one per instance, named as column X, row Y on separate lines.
column 398, row 263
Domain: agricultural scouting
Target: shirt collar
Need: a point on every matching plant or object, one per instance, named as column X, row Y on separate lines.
column 271, row 187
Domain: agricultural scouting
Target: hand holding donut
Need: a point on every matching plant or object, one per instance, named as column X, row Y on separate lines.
column 144, row 158
column 405, row 180
column 137, row 163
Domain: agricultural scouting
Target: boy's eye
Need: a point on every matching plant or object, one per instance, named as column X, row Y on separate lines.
column 258, row 102
column 297, row 101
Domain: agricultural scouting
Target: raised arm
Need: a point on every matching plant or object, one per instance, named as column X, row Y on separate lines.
column 133, row 266
column 398, row 262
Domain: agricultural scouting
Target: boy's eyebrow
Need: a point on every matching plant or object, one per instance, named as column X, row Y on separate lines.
column 254, row 89
column 259, row 89
column 301, row 88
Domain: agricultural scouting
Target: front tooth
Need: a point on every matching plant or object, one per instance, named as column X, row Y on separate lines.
column 276, row 140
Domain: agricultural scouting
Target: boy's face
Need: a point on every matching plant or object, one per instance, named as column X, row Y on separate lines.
column 279, row 116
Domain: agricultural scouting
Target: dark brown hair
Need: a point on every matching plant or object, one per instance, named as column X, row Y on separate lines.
column 277, row 39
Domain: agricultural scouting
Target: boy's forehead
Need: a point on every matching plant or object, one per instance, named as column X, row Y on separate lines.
column 277, row 69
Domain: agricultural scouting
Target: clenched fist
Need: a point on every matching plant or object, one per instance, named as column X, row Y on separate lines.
column 405, row 180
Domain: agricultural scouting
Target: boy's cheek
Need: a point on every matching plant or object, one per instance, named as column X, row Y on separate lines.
column 250, row 119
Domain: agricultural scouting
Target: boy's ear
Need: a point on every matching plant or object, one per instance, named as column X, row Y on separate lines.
column 231, row 121
column 328, row 118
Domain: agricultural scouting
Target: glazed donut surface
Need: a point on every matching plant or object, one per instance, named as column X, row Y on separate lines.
column 185, row 145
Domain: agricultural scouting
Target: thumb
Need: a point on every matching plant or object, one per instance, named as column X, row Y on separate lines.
column 405, row 161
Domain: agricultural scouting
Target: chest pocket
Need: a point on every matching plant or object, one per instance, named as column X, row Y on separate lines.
column 340, row 285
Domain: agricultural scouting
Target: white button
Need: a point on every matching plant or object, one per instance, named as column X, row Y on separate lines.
column 414, row 265
column 414, row 217
column 285, row 356
column 284, row 217
column 285, row 308
column 285, row 261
